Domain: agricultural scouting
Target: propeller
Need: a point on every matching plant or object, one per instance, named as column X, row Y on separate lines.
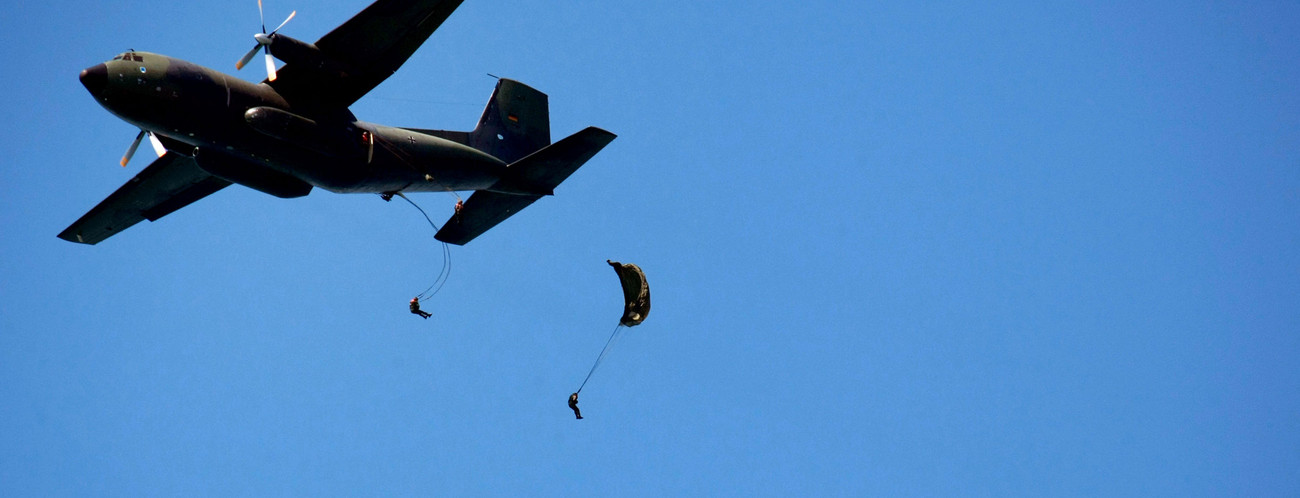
column 153, row 140
column 264, row 43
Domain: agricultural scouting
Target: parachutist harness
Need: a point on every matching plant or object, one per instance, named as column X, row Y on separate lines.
column 415, row 309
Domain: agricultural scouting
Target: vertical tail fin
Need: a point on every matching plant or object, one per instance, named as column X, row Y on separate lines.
column 516, row 123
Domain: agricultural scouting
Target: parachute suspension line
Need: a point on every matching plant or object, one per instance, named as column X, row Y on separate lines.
column 608, row 345
column 443, row 274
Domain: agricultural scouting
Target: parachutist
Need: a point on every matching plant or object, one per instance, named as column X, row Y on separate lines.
column 415, row 308
column 386, row 196
column 460, row 204
column 573, row 403
column 636, row 297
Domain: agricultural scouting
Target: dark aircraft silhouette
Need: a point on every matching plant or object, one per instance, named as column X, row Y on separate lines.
column 293, row 131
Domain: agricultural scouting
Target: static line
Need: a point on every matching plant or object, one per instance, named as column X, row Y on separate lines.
column 445, row 273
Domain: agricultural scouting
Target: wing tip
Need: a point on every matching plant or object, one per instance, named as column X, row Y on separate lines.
column 595, row 132
column 76, row 237
column 454, row 237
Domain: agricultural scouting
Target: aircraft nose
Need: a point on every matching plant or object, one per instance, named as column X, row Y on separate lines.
column 95, row 78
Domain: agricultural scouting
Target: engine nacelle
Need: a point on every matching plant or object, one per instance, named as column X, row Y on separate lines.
column 305, row 55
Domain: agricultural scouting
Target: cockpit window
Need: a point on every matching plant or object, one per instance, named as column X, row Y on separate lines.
column 129, row 56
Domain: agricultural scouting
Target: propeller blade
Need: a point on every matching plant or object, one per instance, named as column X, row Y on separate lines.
column 247, row 57
column 158, row 147
column 286, row 21
column 264, row 40
column 134, row 145
column 270, row 66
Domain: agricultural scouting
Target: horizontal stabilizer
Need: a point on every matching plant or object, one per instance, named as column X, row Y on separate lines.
column 169, row 183
column 539, row 173
column 546, row 168
column 482, row 211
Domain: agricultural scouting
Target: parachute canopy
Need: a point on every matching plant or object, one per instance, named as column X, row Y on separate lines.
column 636, row 293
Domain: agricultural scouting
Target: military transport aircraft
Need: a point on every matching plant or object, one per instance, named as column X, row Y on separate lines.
column 293, row 131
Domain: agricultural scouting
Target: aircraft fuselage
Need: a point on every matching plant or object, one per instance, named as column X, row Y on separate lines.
column 247, row 133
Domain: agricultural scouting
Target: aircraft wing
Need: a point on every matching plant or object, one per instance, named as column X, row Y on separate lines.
column 372, row 45
column 170, row 183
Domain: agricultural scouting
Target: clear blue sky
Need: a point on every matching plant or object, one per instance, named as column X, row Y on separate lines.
column 923, row 248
